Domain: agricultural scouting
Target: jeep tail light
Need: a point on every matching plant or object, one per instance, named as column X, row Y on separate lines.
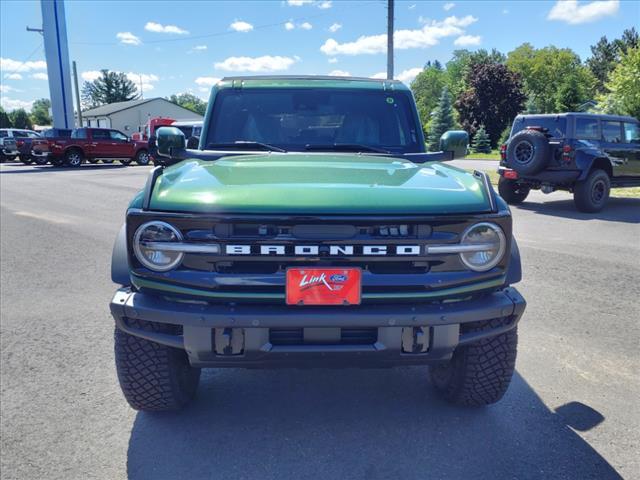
column 567, row 153
column 503, row 151
column 510, row 174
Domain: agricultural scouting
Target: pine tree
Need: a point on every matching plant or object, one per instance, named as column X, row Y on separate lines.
column 442, row 120
column 481, row 141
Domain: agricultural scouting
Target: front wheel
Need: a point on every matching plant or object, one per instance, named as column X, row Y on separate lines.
column 143, row 158
column 591, row 195
column 512, row 192
column 74, row 158
column 153, row 377
column 479, row 373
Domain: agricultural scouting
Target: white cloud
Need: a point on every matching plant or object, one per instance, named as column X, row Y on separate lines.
column 412, row 6
column 572, row 12
column 468, row 40
column 325, row 4
column 200, row 47
column 298, row 3
column 13, row 76
column 240, row 26
column 91, row 75
column 427, row 36
column 289, row 25
column 128, row 38
column 405, row 76
column 148, row 80
column 8, row 64
column 448, row 6
column 159, row 28
column 6, row 88
column 207, row 81
column 40, row 76
column 306, row 26
column 322, row 4
column 505, row 11
column 10, row 104
column 335, row 27
column 408, row 75
column 266, row 63
column 333, row 60
column 339, row 73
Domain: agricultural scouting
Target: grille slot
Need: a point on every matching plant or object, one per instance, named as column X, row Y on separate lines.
column 348, row 336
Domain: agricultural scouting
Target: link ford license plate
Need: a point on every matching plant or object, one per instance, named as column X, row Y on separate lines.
column 323, row 286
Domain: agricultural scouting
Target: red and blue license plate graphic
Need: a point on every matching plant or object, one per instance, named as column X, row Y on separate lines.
column 323, row 286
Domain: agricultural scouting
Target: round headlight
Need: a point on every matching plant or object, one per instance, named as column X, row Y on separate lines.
column 148, row 248
column 487, row 244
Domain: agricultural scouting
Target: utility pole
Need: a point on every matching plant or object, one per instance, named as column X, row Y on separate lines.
column 390, row 39
column 75, row 85
column 141, row 92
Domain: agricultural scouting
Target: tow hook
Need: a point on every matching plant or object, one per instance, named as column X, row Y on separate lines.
column 547, row 189
column 228, row 341
column 415, row 339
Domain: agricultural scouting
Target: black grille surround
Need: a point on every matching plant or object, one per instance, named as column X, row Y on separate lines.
column 222, row 278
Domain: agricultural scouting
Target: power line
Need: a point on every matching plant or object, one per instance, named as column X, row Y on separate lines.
column 6, row 74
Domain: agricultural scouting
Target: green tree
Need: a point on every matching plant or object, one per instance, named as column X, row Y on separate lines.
column 111, row 87
column 5, row 122
column 624, row 86
column 605, row 55
column 570, row 95
column 442, row 120
column 493, row 98
column 20, row 119
column 427, row 89
column 40, row 112
column 504, row 136
column 463, row 62
column 481, row 141
column 190, row 102
column 545, row 70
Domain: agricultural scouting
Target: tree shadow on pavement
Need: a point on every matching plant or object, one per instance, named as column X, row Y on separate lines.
column 618, row 209
column 364, row 424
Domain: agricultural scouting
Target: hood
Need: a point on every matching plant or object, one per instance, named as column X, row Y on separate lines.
column 317, row 184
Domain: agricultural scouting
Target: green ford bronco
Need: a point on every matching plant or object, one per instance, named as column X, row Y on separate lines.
column 311, row 229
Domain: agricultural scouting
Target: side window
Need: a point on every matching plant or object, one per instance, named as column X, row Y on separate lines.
column 100, row 134
column 79, row 133
column 587, row 129
column 20, row 134
column 612, row 132
column 631, row 132
column 119, row 137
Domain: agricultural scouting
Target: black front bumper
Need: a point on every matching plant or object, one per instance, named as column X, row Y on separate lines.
column 225, row 335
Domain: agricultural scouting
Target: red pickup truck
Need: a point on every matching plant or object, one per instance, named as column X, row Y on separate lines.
column 92, row 144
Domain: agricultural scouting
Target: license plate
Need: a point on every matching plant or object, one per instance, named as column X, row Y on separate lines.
column 323, row 286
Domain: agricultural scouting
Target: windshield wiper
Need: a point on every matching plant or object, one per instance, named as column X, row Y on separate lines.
column 352, row 147
column 247, row 145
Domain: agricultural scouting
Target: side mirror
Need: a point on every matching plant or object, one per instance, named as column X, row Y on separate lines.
column 456, row 142
column 170, row 141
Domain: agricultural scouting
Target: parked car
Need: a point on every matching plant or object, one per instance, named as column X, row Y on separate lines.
column 8, row 148
column 92, row 144
column 40, row 146
column 192, row 131
column 586, row 154
column 313, row 229
column 23, row 139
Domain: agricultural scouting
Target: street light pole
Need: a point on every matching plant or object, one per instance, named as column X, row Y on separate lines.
column 390, row 39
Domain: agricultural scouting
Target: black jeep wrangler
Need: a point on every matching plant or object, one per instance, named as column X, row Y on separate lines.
column 583, row 153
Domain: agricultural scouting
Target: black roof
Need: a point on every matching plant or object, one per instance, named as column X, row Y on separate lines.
column 601, row 116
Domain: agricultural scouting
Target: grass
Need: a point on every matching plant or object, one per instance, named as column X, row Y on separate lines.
column 494, row 155
column 633, row 192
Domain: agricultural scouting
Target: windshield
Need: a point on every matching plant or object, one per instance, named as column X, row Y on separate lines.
column 305, row 119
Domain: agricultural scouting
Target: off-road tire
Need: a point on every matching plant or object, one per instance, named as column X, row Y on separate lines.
column 479, row 373
column 26, row 159
column 153, row 377
column 512, row 192
column 591, row 195
column 528, row 152
column 143, row 158
column 73, row 158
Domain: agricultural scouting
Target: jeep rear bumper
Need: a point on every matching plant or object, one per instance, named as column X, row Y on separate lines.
column 256, row 336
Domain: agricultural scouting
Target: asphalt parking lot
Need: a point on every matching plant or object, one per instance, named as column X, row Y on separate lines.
column 571, row 412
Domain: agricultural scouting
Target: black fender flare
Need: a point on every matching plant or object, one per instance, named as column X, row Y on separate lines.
column 585, row 160
column 514, row 272
column 120, row 259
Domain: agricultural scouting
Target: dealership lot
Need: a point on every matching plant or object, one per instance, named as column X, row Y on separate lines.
column 571, row 411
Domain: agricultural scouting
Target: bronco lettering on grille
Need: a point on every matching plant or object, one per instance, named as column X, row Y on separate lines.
column 328, row 250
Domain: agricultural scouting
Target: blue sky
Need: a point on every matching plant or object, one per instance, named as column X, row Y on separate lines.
column 174, row 47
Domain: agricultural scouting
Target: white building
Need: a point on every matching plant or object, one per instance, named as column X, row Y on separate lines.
column 129, row 117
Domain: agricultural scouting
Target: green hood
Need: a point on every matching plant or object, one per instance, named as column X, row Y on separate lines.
column 317, row 184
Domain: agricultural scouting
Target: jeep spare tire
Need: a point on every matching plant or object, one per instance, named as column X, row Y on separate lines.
column 528, row 152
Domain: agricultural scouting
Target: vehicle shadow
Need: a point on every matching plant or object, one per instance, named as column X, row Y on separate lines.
column 618, row 209
column 365, row 424
column 50, row 168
